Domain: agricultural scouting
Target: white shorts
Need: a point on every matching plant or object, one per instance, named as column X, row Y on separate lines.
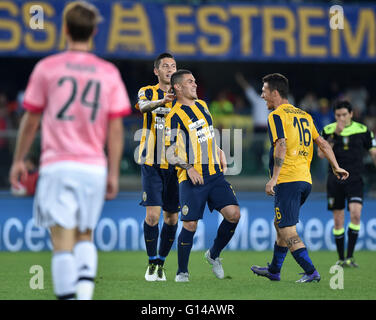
column 70, row 194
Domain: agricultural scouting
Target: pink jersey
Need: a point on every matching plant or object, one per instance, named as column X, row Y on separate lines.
column 78, row 94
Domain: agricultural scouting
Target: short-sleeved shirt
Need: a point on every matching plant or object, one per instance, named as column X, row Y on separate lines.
column 299, row 130
column 151, row 150
column 191, row 129
column 350, row 145
column 78, row 94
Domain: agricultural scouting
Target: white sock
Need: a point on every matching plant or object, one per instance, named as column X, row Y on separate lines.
column 64, row 274
column 86, row 257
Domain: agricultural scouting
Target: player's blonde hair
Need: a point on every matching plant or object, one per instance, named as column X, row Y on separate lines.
column 81, row 19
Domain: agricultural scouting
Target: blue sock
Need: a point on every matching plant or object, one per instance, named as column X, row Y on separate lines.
column 279, row 256
column 185, row 242
column 151, row 241
column 302, row 258
column 224, row 234
column 167, row 239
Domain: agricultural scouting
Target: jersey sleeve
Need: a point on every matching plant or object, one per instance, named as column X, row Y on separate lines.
column 35, row 98
column 276, row 127
column 119, row 101
column 315, row 132
column 145, row 93
column 369, row 141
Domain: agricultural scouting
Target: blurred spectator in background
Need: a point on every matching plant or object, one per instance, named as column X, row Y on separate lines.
column 259, row 110
column 357, row 95
column 221, row 105
column 260, row 122
column 333, row 91
column 310, row 103
column 324, row 115
column 241, row 107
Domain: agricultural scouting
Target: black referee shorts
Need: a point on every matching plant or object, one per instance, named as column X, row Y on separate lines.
column 338, row 191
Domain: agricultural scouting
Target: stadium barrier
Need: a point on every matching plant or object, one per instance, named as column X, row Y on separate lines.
column 121, row 225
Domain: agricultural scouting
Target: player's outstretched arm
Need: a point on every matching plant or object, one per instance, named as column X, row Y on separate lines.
column 174, row 160
column 327, row 150
column 115, row 144
column 148, row 105
column 26, row 134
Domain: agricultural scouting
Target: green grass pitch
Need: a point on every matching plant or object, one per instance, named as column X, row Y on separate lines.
column 121, row 276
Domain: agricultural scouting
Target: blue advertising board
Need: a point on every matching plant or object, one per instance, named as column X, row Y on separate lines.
column 224, row 31
column 121, row 225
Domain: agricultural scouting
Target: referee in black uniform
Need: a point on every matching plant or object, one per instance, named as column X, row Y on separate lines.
column 349, row 140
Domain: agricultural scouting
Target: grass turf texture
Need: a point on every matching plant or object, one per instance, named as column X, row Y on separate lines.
column 121, row 276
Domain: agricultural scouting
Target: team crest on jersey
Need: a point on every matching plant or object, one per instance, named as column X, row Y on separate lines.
column 331, row 202
column 144, row 196
column 207, row 111
column 185, row 210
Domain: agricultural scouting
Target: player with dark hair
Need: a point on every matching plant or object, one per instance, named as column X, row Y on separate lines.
column 82, row 99
column 292, row 133
column 190, row 134
column 159, row 180
column 349, row 140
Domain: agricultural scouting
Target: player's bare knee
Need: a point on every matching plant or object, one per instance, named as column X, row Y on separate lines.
column 355, row 219
column 86, row 235
column 62, row 239
column 235, row 215
column 152, row 215
column 355, row 213
column 190, row 225
column 231, row 213
column 170, row 218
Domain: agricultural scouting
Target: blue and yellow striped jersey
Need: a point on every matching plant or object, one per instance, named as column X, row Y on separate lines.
column 191, row 129
column 299, row 130
column 151, row 149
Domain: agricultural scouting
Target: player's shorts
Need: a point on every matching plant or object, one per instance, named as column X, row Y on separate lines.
column 70, row 194
column 215, row 191
column 338, row 191
column 289, row 197
column 160, row 187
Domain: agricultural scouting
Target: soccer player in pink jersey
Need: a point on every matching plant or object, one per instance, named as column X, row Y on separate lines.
column 82, row 99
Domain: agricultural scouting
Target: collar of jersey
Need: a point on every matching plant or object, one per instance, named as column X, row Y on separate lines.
column 178, row 104
column 284, row 105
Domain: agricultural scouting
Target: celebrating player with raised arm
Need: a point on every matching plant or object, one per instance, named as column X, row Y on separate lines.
column 82, row 99
column 159, row 180
column 292, row 133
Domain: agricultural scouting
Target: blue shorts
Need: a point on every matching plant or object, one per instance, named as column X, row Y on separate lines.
column 160, row 188
column 289, row 197
column 215, row 191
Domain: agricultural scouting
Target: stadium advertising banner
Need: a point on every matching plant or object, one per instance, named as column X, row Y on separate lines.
column 121, row 225
column 225, row 31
